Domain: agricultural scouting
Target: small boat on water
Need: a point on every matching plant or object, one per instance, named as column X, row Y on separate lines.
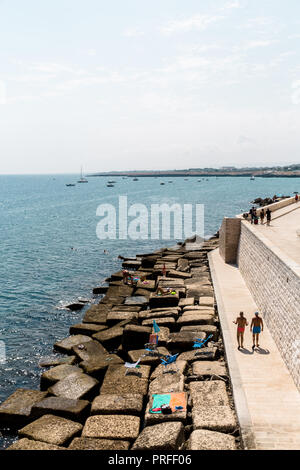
column 252, row 178
column 70, row 184
column 110, row 186
column 135, row 179
column 82, row 179
column 162, row 183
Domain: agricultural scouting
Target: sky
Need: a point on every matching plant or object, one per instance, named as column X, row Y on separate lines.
column 136, row 84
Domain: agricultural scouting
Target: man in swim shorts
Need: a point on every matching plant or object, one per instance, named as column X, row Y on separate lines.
column 257, row 326
column 241, row 323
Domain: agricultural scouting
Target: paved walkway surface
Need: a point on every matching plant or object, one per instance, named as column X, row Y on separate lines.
column 282, row 231
column 266, row 398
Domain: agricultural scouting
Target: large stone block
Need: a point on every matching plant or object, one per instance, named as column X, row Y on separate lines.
column 15, row 411
column 184, row 340
column 148, row 358
column 121, row 427
column 203, row 354
column 212, row 369
column 29, row 444
column 88, row 443
column 65, row 345
column 74, row 387
column 51, row 429
column 214, row 418
column 76, row 410
column 57, row 373
column 168, row 322
column 195, row 319
column 202, row 439
column 136, row 335
column 207, row 329
column 161, row 370
column 90, row 351
column 167, row 383
column 116, row 382
column 127, row 403
column 114, row 316
column 211, row 393
column 157, row 301
column 164, row 436
column 87, row 329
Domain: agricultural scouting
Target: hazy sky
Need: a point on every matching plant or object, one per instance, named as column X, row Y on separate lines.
column 148, row 84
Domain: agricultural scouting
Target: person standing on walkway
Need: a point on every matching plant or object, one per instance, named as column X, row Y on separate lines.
column 262, row 216
column 296, row 197
column 257, row 326
column 241, row 323
column 268, row 214
column 251, row 213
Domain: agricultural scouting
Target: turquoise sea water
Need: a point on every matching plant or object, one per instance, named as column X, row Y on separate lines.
column 42, row 219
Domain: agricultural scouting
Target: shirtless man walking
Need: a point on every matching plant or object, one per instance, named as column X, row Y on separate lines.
column 241, row 323
column 256, row 327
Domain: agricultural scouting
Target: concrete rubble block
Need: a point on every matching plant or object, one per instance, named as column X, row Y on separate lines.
column 87, row 329
column 163, row 436
column 96, row 367
column 188, row 301
column 156, row 313
column 140, row 300
column 183, row 340
column 199, row 308
column 110, row 301
column 135, row 381
column 74, row 387
column 207, row 300
column 126, row 308
column 213, row 369
column 155, row 418
column 96, row 314
column 100, row 290
column 214, row 418
column 110, row 338
column 89, row 351
column 168, row 322
column 127, row 403
column 65, row 345
column 119, row 291
column 179, row 274
column 197, row 292
column 162, row 370
column 75, row 410
column 88, row 443
column 200, row 269
column 123, row 427
column 147, row 284
column 163, row 335
column 169, row 265
column 170, row 300
column 195, row 319
column 203, row 354
column 207, row 329
column 29, row 444
column 51, row 429
column 52, row 362
column 171, row 282
column 182, row 264
column 152, row 359
column 202, row 439
column 167, row 383
column 211, row 393
column 15, row 411
column 53, row 375
column 143, row 293
column 137, row 335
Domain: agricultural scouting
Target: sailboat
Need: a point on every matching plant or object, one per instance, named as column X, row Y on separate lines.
column 82, row 179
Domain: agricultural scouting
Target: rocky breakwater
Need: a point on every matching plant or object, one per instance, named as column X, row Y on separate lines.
column 145, row 369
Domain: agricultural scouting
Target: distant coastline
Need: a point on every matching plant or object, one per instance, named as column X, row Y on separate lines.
column 203, row 173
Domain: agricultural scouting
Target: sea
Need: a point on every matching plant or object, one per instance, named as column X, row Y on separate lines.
column 50, row 254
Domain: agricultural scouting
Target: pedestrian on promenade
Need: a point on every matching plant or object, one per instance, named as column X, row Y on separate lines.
column 241, row 323
column 262, row 216
column 252, row 214
column 257, row 326
column 296, row 197
column 268, row 214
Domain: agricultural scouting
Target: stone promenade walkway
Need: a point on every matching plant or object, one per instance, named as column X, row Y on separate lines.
column 267, row 400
